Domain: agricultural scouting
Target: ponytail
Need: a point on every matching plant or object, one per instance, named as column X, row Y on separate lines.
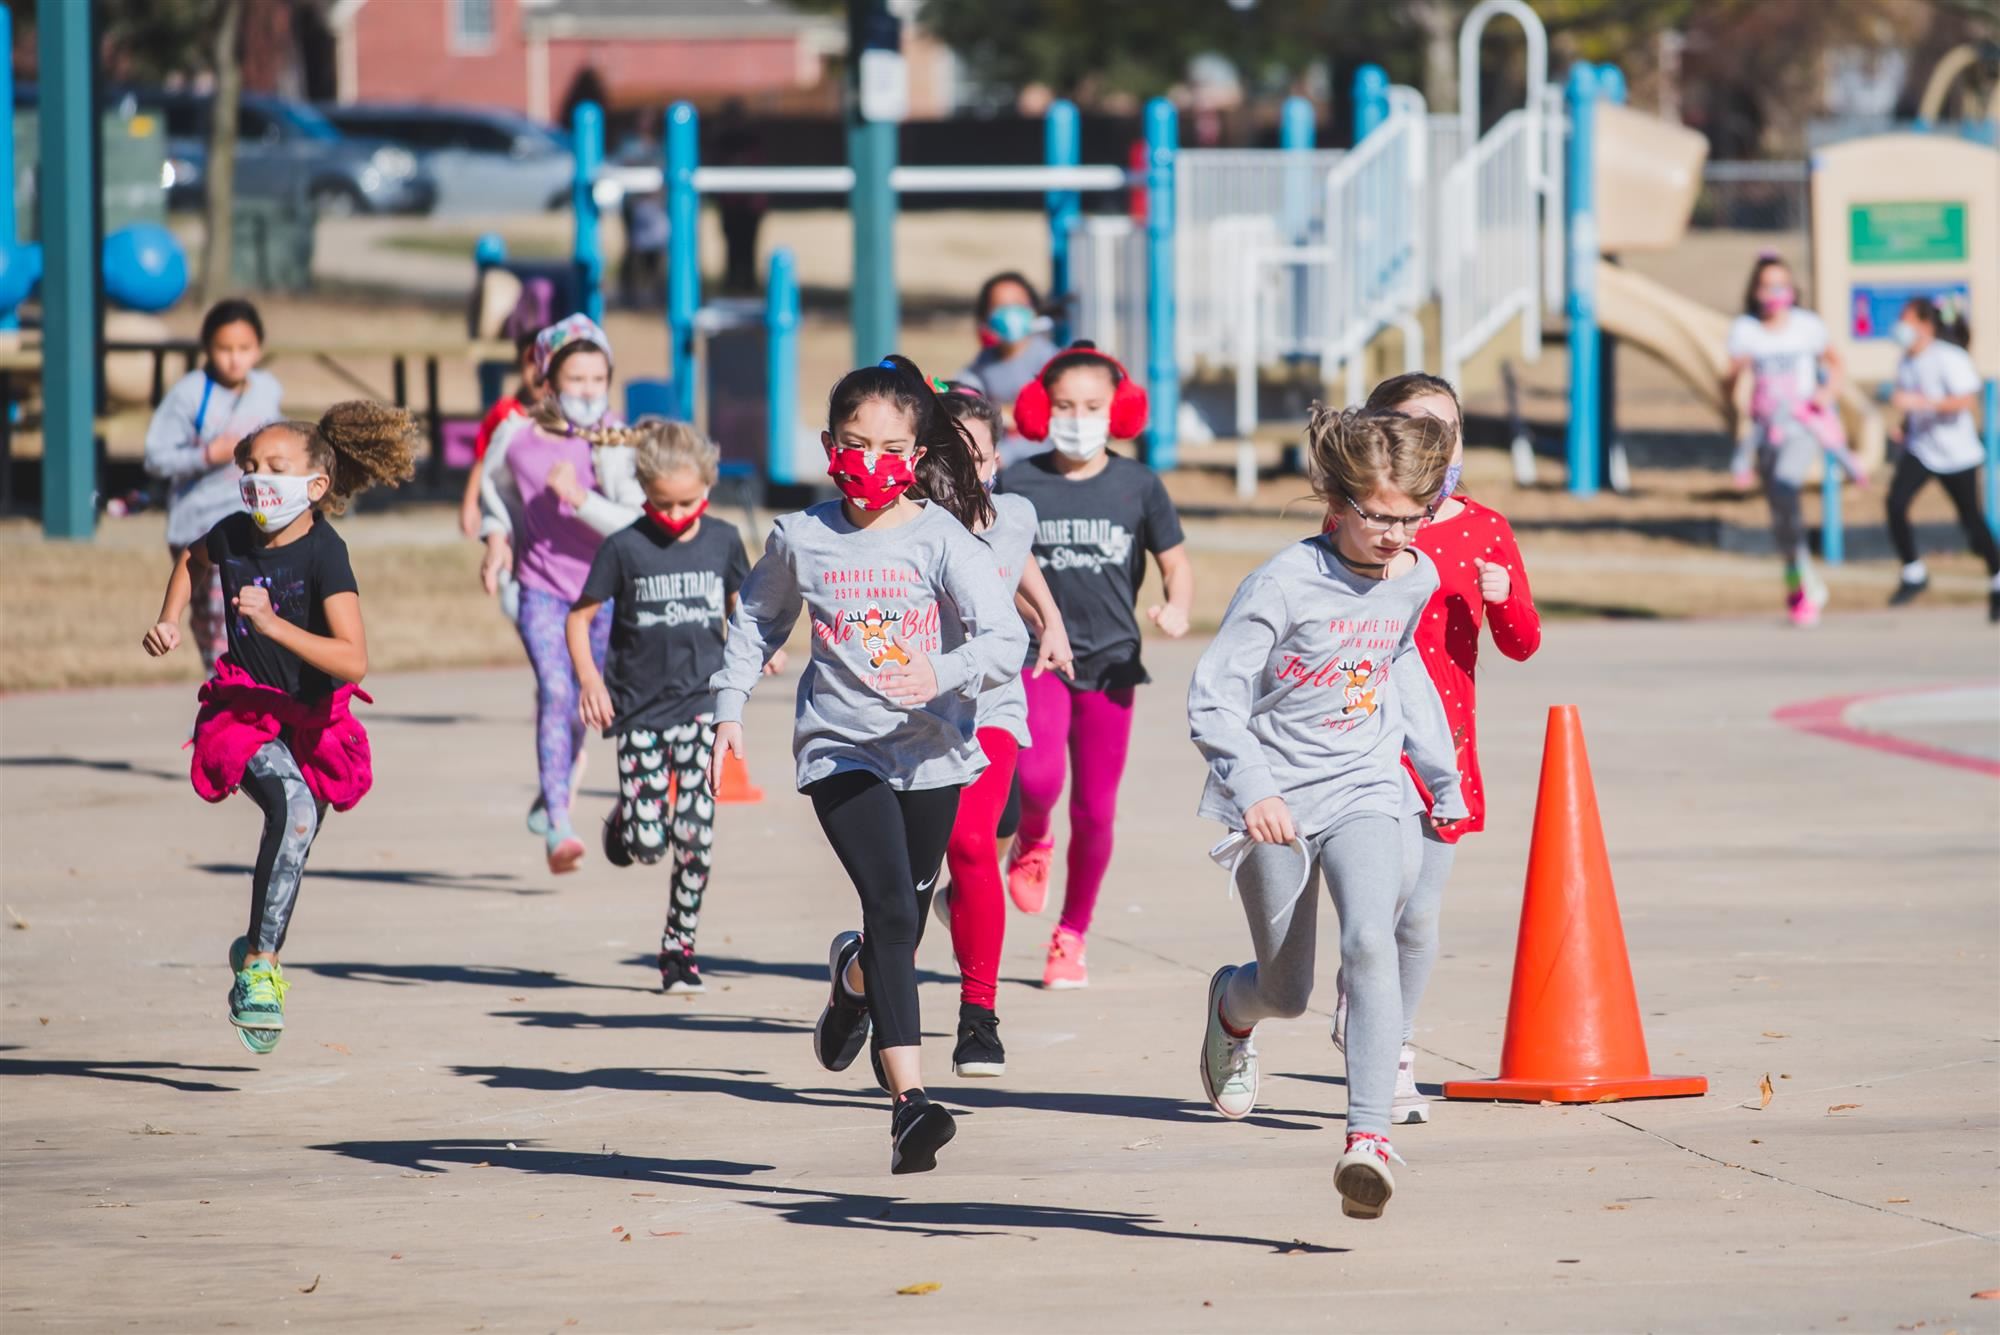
column 948, row 474
column 1945, row 316
column 357, row 445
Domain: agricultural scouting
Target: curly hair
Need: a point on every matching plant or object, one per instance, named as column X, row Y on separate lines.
column 1351, row 452
column 357, row 444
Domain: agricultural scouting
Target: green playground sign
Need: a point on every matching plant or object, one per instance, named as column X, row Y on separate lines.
column 1906, row 232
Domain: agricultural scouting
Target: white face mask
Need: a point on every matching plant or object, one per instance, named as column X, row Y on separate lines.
column 584, row 409
column 1905, row 335
column 1080, row 438
column 276, row 499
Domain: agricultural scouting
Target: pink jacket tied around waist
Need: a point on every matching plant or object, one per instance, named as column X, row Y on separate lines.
column 238, row 716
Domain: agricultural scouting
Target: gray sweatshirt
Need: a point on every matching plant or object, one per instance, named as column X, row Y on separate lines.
column 875, row 596
column 1011, row 539
column 202, row 494
column 1314, row 690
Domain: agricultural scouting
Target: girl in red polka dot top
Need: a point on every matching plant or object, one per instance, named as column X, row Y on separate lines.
column 1481, row 578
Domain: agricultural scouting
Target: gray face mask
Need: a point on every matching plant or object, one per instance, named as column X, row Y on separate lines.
column 584, row 409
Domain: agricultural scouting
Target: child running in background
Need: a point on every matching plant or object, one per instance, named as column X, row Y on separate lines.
column 1784, row 350
column 191, row 443
column 1098, row 517
column 672, row 576
column 1937, row 386
column 1013, row 346
column 1304, row 706
column 910, row 626
column 1480, row 578
column 973, row 904
column 549, row 464
column 274, row 720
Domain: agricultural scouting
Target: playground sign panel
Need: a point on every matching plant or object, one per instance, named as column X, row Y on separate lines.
column 1906, row 232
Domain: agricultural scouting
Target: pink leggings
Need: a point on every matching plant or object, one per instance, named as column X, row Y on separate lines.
column 978, row 904
column 1092, row 729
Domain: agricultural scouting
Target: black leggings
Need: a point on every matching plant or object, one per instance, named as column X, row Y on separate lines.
column 292, row 818
column 1010, row 815
column 892, row 845
column 1962, row 487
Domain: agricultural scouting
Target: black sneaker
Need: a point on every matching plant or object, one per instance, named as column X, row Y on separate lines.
column 844, row 1023
column 615, row 851
column 1907, row 591
column 978, row 1055
column 679, row 973
column 918, row 1129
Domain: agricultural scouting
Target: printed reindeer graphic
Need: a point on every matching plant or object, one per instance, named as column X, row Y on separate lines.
column 876, row 637
column 1360, row 696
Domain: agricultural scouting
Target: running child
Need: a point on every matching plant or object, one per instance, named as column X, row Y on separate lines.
column 672, row 577
column 1937, row 386
column 191, row 443
column 527, row 393
column 549, row 464
column 1304, row 705
column 1480, row 578
column 1785, row 350
column 1099, row 515
column 274, row 719
column 972, row 904
column 910, row 625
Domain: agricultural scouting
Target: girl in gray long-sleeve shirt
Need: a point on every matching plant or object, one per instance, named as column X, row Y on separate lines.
column 910, row 623
column 191, row 443
column 1304, row 705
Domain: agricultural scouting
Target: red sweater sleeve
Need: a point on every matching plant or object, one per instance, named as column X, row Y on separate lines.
column 1516, row 625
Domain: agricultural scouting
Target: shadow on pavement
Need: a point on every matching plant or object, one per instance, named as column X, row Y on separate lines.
column 130, row 1071
column 421, row 880
column 713, row 966
column 471, row 975
column 798, row 1205
column 1139, row 1107
column 102, row 766
column 693, row 1021
column 671, row 1080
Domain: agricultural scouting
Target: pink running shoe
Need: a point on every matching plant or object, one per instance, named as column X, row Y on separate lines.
column 1065, row 969
column 1028, row 875
column 1805, row 612
column 565, row 855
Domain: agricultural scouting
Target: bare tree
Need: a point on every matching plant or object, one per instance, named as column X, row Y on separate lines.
column 228, row 69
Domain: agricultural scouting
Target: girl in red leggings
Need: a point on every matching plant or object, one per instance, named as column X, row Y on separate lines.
column 1098, row 516
column 972, row 905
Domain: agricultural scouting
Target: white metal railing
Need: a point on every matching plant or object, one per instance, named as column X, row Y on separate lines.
column 1376, row 207
column 1491, row 269
column 1107, row 269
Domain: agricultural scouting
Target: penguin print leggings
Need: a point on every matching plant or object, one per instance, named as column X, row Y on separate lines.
column 655, row 768
column 291, row 822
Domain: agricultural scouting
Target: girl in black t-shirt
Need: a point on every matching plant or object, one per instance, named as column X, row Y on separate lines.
column 671, row 579
column 274, row 718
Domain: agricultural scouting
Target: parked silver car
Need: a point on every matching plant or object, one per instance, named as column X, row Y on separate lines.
column 484, row 160
column 287, row 150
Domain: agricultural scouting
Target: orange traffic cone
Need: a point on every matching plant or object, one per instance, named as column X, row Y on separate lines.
column 736, row 785
column 1573, row 1030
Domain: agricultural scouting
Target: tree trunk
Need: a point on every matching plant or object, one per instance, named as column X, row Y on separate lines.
column 1438, row 21
column 215, row 264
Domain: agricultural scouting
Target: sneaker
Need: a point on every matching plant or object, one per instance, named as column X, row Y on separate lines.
column 1028, row 875
column 844, row 1023
column 1228, row 1063
column 1362, row 1176
column 1065, row 968
column 565, row 852
column 1410, row 1106
column 1804, row 611
column 978, row 1055
column 615, row 851
column 257, row 1005
column 918, row 1129
column 941, row 905
column 679, row 974
column 1908, row 591
column 538, row 818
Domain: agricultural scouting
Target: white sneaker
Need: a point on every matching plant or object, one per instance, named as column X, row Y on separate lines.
column 1228, row 1063
column 1362, row 1176
column 1410, row 1106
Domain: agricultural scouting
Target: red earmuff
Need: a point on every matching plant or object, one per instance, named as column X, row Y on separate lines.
column 1128, row 399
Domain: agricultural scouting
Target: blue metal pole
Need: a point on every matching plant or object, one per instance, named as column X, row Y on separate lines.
column 9, row 319
column 1371, row 100
column 781, row 351
column 1611, row 84
column 1991, row 411
column 587, row 148
column 1163, row 374
column 1832, row 525
column 1062, row 146
column 69, row 279
column 683, row 138
column 1581, row 305
column 876, row 311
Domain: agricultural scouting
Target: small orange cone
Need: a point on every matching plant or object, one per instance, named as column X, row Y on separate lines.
column 736, row 785
column 1573, row 1030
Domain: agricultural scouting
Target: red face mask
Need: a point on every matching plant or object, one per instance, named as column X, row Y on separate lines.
column 870, row 489
column 676, row 527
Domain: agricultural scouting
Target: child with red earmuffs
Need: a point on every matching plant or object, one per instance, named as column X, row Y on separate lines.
column 1099, row 515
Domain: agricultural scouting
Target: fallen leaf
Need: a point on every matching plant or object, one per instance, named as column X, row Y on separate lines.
column 341, row 1048
column 670, row 1233
column 643, row 1193
column 1764, row 1092
column 1144, row 1143
column 310, row 1287
column 1841, row 1107
column 1755, row 1141
column 626, row 1238
column 43, row 1018
column 618, row 1228
column 522, row 999
column 20, row 923
column 918, row 1290
column 148, row 1129
column 1899, row 1200
column 1991, row 1295
column 1772, row 1033
column 1206, row 1303
column 1614, row 1207
column 1785, row 1077
column 395, row 1256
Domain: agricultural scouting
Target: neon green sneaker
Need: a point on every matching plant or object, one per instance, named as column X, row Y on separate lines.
column 257, row 1005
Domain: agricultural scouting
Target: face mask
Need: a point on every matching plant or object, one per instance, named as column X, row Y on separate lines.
column 1775, row 302
column 1905, row 335
column 872, row 482
column 584, row 409
column 1080, row 438
column 275, row 499
column 1451, row 476
column 989, row 483
column 1010, row 324
column 675, row 527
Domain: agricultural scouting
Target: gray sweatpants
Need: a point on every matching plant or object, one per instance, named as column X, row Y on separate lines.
column 1370, row 863
column 291, row 823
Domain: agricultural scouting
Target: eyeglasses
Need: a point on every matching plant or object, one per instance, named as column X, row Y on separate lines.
column 1383, row 523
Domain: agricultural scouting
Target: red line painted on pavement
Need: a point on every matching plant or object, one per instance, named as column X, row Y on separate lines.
column 1828, row 718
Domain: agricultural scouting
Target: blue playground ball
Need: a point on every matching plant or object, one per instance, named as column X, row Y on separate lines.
column 145, row 268
column 20, row 270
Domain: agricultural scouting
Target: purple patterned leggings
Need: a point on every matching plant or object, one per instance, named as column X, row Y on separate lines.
column 558, row 728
